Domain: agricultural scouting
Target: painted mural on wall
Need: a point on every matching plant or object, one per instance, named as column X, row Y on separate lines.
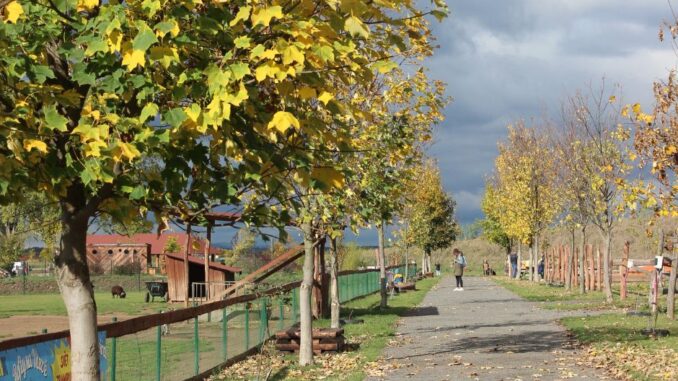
column 49, row 360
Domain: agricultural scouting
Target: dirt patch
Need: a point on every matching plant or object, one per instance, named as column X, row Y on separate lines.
column 22, row 325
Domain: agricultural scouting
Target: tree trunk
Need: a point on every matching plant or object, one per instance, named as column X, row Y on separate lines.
column 382, row 267
column 570, row 264
column 607, row 279
column 77, row 292
column 306, row 318
column 335, row 307
column 582, row 262
column 531, row 266
column 407, row 263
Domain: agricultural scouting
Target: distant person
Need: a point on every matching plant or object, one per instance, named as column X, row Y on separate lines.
column 459, row 265
column 437, row 269
column 513, row 258
column 540, row 268
column 486, row 267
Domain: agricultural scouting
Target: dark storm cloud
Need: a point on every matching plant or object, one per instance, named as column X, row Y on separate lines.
column 506, row 60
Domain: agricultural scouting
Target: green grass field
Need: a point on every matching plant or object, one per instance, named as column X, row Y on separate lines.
column 52, row 304
column 554, row 297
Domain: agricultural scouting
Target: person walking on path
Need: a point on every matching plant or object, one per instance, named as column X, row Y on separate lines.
column 514, row 265
column 459, row 264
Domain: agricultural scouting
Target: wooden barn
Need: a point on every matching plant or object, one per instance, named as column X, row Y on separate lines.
column 148, row 250
column 218, row 277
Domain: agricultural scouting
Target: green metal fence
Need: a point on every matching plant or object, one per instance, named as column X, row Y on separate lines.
column 188, row 348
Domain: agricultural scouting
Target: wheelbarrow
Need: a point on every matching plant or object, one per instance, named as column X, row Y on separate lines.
column 156, row 289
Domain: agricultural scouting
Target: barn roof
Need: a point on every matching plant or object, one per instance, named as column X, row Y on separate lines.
column 157, row 242
column 201, row 261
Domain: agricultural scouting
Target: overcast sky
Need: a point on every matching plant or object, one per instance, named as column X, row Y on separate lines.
column 509, row 59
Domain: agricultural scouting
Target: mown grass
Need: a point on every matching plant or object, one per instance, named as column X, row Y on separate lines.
column 52, row 304
column 558, row 298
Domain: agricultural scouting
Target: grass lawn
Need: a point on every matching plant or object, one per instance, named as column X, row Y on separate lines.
column 554, row 297
column 52, row 304
column 371, row 338
column 616, row 343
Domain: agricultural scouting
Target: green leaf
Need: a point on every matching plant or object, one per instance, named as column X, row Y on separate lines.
column 175, row 117
column 326, row 53
column 54, row 120
column 239, row 70
column 355, row 27
column 138, row 193
column 144, row 40
column 149, row 111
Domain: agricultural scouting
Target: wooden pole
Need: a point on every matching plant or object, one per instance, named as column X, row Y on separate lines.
column 187, row 280
column 575, row 267
column 208, row 243
column 599, row 272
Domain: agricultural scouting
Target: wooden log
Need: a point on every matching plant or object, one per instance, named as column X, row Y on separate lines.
column 293, row 347
column 318, row 333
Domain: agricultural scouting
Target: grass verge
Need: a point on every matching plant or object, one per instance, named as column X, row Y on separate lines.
column 616, row 343
column 558, row 298
column 613, row 341
column 370, row 337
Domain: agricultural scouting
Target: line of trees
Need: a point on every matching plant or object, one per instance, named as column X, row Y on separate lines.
column 315, row 112
column 597, row 163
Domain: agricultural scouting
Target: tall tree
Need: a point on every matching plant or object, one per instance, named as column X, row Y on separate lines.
column 604, row 166
column 219, row 96
column 430, row 212
column 525, row 173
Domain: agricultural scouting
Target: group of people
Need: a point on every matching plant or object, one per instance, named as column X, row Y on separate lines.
column 515, row 272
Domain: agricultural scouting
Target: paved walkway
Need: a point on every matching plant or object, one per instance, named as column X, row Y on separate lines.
column 482, row 333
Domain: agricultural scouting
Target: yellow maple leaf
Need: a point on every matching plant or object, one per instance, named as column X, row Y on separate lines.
column 132, row 58
column 242, row 15
column 329, row 177
column 325, row 97
column 282, row 121
column 307, row 92
column 264, row 16
column 114, row 40
column 93, row 148
column 292, row 54
column 86, row 5
column 12, row 12
column 636, row 108
column 164, row 55
column 268, row 70
column 29, row 144
column 125, row 151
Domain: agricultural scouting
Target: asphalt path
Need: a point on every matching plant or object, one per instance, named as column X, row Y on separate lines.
column 482, row 333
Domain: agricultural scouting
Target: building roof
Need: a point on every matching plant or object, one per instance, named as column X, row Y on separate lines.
column 157, row 242
column 201, row 261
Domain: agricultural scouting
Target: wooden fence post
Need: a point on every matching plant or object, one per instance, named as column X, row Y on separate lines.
column 599, row 272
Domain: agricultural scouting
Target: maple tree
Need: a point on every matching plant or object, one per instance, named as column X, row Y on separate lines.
column 525, row 190
column 176, row 107
column 430, row 213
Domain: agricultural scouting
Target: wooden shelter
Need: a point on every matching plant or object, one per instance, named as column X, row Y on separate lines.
column 217, row 276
